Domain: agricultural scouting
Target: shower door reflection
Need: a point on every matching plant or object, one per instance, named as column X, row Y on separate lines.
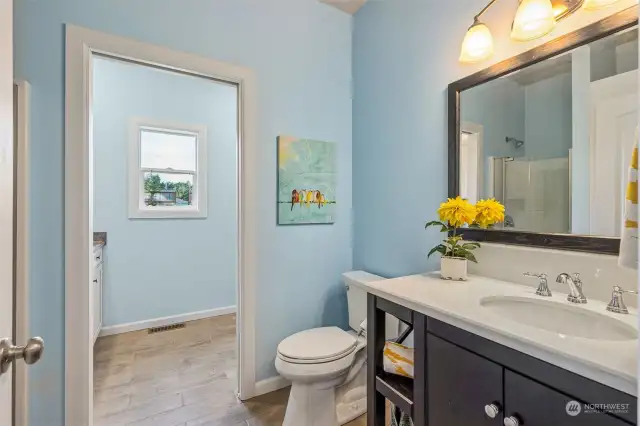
column 535, row 193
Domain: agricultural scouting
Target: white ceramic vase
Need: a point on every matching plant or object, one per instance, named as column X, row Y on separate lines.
column 453, row 268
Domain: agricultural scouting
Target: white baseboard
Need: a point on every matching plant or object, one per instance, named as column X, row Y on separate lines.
column 271, row 384
column 159, row 322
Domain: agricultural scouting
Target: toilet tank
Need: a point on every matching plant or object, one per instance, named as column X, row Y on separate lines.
column 357, row 301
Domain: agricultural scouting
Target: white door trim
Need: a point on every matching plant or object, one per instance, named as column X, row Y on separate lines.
column 81, row 44
column 477, row 129
column 22, row 246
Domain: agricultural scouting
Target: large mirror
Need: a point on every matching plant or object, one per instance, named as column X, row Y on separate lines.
column 552, row 140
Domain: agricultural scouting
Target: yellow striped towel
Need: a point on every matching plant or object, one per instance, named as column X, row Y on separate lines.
column 629, row 239
column 398, row 359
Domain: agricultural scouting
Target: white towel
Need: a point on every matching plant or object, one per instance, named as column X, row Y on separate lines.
column 629, row 234
column 398, row 359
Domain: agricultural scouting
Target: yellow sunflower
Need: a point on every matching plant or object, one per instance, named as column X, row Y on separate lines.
column 457, row 212
column 489, row 212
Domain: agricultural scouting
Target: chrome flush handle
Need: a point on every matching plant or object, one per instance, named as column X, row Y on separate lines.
column 617, row 304
column 543, row 288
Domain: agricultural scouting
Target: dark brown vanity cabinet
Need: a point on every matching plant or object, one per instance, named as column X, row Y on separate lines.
column 459, row 385
column 533, row 404
column 462, row 384
column 462, row 379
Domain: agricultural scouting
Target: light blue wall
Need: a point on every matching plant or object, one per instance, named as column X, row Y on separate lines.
column 538, row 113
column 405, row 53
column 499, row 107
column 301, row 53
column 548, row 121
column 157, row 268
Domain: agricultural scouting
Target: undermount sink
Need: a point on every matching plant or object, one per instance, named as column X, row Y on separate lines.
column 566, row 320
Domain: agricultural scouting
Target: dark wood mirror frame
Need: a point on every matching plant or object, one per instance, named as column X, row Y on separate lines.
column 627, row 18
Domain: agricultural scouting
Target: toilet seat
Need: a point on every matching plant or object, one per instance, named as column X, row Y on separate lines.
column 317, row 346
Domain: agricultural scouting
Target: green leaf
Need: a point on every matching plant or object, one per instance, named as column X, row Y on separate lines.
column 434, row 222
column 460, row 252
column 471, row 246
column 439, row 248
column 443, row 227
column 471, row 257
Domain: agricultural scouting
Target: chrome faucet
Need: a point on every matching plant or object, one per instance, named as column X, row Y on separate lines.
column 543, row 288
column 617, row 304
column 575, row 287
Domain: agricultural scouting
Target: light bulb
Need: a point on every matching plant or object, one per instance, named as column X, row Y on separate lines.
column 477, row 44
column 597, row 4
column 534, row 19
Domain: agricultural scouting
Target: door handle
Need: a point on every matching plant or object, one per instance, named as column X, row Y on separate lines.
column 31, row 352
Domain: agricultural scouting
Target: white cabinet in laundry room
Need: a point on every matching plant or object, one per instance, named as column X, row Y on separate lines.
column 95, row 292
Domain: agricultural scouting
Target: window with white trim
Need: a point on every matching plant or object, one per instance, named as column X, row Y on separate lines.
column 167, row 171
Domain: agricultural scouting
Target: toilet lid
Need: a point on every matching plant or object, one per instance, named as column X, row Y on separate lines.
column 318, row 344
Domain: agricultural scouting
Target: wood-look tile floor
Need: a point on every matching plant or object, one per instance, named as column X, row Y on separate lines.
column 183, row 377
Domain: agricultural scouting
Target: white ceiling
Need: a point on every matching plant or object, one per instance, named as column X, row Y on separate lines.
column 348, row 6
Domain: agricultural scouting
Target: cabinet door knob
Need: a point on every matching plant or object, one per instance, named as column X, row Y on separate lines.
column 491, row 410
column 511, row 421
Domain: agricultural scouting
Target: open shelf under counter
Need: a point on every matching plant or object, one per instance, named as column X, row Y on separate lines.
column 397, row 389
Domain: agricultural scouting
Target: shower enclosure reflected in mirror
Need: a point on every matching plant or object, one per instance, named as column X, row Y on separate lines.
column 551, row 139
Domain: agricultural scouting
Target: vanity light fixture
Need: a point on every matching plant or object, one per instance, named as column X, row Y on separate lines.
column 598, row 4
column 534, row 19
column 478, row 42
column 564, row 8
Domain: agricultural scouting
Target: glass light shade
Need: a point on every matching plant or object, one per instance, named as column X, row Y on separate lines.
column 477, row 44
column 559, row 9
column 598, row 4
column 534, row 19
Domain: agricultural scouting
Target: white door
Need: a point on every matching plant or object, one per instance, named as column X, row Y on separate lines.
column 6, row 195
column 614, row 120
column 13, row 234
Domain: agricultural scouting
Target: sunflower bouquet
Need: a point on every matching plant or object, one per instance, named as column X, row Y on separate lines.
column 456, row 213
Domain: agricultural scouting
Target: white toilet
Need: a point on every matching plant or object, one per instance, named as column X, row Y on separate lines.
column 327, row 365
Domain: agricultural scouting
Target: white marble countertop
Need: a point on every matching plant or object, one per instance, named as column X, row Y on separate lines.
column 612, row 363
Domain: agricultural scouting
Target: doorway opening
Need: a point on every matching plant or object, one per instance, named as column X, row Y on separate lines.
column 145, row 171
column 163, row 294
